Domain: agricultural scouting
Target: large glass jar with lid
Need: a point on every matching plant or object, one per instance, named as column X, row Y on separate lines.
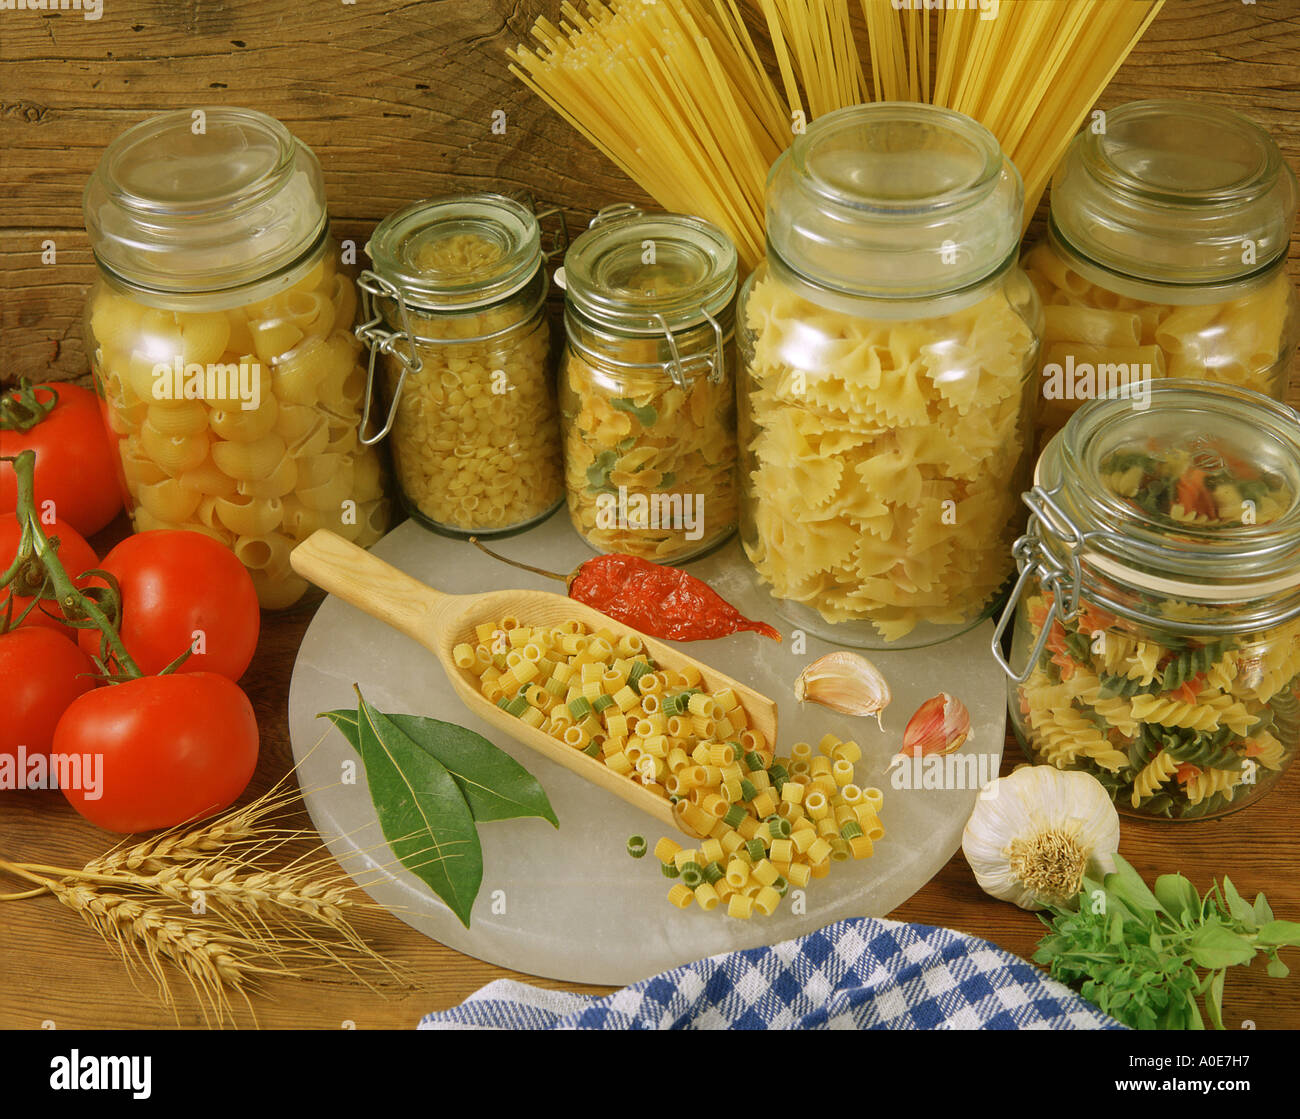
column 647, row 399
column 458, row 329
column 1165, row 256
column 1157, row 621
column 888, row 344
column 220, row 338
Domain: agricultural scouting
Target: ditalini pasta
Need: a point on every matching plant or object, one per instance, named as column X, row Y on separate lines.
column 242, row 424
column 765, row 823
column 1172, row 725
column 476, row 443
column 884, row 459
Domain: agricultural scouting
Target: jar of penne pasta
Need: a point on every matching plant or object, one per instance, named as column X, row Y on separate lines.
column 459, row 337
column 646, row 392
column 1156, row 639
column 888, row 343
column 220, row 338
column 1165, row 256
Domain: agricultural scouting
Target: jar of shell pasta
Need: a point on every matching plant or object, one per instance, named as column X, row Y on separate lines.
column 888, row 344
column 458, row 332
column 220, row 339
column 1157, row 616
column 1165, row 256
column 647, row 398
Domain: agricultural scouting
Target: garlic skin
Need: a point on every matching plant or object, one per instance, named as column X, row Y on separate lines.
column 1035, row 833
column 847, row 683
column 940, row 726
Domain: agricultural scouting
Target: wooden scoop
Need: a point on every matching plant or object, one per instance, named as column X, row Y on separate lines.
column 440, row 622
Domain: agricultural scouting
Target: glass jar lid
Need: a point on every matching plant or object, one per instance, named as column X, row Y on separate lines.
column 638, row 273
column 1193, row 493
column 894, row 201
column 183, row 203
column 1175, row 192
column 459, row 252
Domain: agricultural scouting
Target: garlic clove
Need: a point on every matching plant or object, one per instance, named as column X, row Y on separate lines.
column 845, row 682
column 941, row 724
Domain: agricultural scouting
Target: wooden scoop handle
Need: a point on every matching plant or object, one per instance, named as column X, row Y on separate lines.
column 370, row 584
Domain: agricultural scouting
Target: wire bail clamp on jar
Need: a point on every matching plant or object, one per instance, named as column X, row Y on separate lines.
column 377, row 338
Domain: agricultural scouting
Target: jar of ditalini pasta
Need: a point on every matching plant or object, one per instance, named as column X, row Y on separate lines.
column 888, row 344
column 1157, row 617
column 1165, row 256
column 220, row 338
column 647, row 398
column 458, row 331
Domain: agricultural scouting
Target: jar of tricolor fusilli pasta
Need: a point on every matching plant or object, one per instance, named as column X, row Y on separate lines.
column 888, row 344
column 647, row 400
column 1157, row 628
column 1165, row 256
column 220, row 339
column 458, row 331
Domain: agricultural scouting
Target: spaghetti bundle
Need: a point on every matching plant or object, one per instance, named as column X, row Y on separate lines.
column 677, row 93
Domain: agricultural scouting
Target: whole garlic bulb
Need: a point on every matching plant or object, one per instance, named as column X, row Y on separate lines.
column 1035, row 833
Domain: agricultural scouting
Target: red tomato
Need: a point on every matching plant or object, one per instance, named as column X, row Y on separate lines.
column 76, row 465
column 74, row 553
column 43, row 672
column 176, row 584
column 174, row 749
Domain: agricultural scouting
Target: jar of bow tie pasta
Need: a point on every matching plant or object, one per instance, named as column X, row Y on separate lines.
column 888, row 343
column 1157, row 630
column 646, row 392
column 457, row 329
column 1165, row 256
column 220, row 338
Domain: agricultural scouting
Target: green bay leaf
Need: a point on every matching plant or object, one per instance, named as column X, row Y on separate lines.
column 422, row 812
column 495, row 786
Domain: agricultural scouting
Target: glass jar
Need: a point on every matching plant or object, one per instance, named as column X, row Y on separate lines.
column 1158, row 614
column 457, row 322
column 647, row 400
column 888, row 344
column 220, row 339
column 1165, row 256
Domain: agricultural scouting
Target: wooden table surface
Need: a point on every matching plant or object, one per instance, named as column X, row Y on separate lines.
column 397, row 99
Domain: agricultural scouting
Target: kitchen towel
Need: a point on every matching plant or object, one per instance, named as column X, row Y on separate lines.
column 856, row 974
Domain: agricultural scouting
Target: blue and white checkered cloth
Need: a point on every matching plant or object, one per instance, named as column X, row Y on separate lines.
column 856, row 974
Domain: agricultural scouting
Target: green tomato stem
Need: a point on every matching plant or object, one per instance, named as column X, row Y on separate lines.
column 65, row 591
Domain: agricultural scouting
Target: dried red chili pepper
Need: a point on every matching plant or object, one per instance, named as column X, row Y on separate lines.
column 663, row 602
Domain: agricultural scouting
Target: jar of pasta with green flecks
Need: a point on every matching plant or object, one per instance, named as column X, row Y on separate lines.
column 887, row 344
column 1156, row 639
column 460, row 346
column 647, row 400
column 1165, row 256
column 220, row 340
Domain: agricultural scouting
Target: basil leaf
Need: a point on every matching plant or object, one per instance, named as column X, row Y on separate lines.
column 422, row 811
column 495, row 786
column 1240, row 909
column 1277, row 969
column 645, row 415
column 1126, row 884
column 1178, row 896
column 1280, row 933
column 1213, row 946
column 1214, row 999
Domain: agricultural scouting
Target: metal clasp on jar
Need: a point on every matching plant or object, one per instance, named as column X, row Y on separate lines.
column 378, row 338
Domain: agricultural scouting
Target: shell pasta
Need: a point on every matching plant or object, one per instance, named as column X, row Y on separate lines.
column 229, row 421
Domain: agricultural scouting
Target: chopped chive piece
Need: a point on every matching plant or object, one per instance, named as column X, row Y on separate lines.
column 636, row 846
column 747, row 790
column 851, row 829
column 517, row 706
column 734, row 815
column 781, row 886
column 580, row 708
column 755, row 850
column 601, row 702
column 670, row 870
column 752, row 760
column 592, row 749
column 713, row 874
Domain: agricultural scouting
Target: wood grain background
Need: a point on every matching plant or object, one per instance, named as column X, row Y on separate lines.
column 396, row 99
